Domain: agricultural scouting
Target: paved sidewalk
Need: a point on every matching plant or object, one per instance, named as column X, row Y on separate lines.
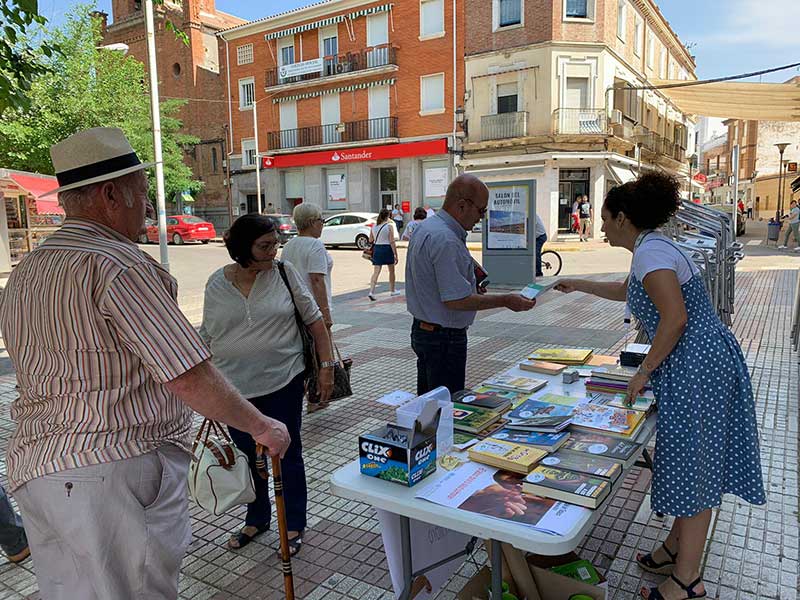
column 752, row 551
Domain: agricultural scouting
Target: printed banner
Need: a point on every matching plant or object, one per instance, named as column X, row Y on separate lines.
column 508, row 217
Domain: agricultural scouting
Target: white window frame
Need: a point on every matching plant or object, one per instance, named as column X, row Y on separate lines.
column 286, row 42
column 325, row 33
column 622, row 19
column 431, row 111
column 651, row 48
column 638, row 35
column 244, row 54
column 248, row 145
column 436, row 34
column 590, row 12
column 663, row 69
column 243, row 82
column 496, row 17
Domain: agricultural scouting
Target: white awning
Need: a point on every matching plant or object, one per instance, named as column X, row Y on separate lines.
column 300, row 28
column 346, row 88
column 733, row 100
column 620, row 173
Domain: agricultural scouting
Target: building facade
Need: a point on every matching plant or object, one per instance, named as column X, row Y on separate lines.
column 354, row 103
column 554, row 95
column 191, row 72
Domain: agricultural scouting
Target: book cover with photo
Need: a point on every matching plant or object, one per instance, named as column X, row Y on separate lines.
column 536, row 408
column 567, row 486
column 618, row 422
column 593, row 466
column 597, row 444
column 482, row 399
column 472, row 418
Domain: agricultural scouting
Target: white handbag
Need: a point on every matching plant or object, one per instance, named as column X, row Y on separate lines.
column 219, row 475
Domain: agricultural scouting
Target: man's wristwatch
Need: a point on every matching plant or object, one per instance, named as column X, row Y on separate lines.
column 327, row 364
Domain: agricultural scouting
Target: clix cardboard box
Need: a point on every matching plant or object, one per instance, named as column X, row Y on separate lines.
column 398, row 454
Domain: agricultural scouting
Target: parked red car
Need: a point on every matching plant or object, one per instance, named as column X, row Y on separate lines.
column 183, row 228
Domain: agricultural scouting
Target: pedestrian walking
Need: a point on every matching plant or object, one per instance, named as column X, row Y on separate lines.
column 397, row 217
column 750, row 207
column 419, row 216
column 249, row 324
column 109, row 371
column 441, row 290
column 308, row 255
column 429, row 211
column 792, row 226
column 699, row 377
column 13, row 540
column 575, row 219
column 384, row 252
column 540, row 233
column 586, row 213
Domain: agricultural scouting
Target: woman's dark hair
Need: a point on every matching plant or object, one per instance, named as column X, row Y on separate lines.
column 239, row 239
column 648, row 201
column 383, row 215
column 419, row 213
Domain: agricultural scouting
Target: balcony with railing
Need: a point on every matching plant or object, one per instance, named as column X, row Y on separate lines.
column 504, row 125
column 337, row 133
column 351, row 62
column 580, row 121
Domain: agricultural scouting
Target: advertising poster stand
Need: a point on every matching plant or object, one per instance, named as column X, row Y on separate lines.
column 508, row 233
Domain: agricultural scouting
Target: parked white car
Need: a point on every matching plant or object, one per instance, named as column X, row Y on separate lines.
column 349, row 229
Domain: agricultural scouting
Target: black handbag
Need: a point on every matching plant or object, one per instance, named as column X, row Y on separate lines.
column 341, row 380
column 309, row 352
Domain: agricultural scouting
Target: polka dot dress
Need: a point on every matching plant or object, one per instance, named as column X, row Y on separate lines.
column 707, row 440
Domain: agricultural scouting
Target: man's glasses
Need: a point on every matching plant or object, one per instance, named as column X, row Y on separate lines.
column 481, row 211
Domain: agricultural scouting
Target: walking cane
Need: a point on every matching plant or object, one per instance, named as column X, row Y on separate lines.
column 280, row 506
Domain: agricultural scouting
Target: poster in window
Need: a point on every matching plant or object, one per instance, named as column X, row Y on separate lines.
column 508, row 217
column 435, row 182
column 337, row 191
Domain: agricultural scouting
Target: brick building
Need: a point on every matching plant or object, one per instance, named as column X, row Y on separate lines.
column 546, row 98
column 355, row 111
column 191, row 72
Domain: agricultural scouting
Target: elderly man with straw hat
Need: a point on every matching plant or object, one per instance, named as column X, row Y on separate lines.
column 109, row 371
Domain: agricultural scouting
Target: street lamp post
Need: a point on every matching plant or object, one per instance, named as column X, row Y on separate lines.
column 692, row 160
column 779, row 208
column 258, row 157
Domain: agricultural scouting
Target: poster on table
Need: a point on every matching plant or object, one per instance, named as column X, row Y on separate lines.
column 508, row 217
column 429, row 545
column 494, row 493
column 337, row 191
column 436, row 182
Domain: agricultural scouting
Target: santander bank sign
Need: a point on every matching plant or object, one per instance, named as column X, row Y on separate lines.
column 301, row 159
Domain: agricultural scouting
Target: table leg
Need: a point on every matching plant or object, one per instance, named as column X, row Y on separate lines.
column 405, row 542
column 497, row 570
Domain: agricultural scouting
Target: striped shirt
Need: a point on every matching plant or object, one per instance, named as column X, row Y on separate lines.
column 93, row 329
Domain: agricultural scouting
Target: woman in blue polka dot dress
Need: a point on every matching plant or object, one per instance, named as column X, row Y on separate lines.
column 707, row 440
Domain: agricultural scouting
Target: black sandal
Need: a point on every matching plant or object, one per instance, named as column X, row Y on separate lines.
column 648, row 563
column 295, row 544
column 242, row 539
column 689, row 589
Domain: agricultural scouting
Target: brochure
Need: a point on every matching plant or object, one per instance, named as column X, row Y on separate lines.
column 488, row 491
column 532, row 290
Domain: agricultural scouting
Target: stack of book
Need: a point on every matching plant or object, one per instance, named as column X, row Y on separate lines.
column 483, row 399
column 542, row 415
column 634, row 354
column 587, row 464
column 581, row 443
column 550, row 442
column 562, row 356
column 515, row 383
column 507, row 456
column 541, row 367
column 645, row 403
column 611, row 380
column 616, row 422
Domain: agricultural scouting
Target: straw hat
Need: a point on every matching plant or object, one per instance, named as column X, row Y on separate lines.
column 93, row 155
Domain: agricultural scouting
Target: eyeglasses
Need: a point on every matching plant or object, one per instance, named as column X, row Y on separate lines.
column 481, row 211
column 268, row 247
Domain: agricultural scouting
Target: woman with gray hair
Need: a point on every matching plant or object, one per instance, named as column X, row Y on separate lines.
column 308, row 255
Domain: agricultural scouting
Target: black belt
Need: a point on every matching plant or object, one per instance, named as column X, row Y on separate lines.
column 433, row 327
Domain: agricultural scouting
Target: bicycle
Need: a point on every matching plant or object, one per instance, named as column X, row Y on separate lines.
column 551, row 263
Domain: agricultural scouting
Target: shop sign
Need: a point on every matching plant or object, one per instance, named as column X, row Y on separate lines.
column 337, row 191
column 700, row 178
column 301, row 68
column 508, row 217
column 405, row 206
column 350, row 155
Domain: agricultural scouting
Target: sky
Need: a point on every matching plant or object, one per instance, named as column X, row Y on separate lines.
column 728, row 37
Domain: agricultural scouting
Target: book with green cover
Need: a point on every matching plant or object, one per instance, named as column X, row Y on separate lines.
column 483, row 400
column 582, row 570
column 567, row 486
column 564, row 356
column 594, row 466
column 571, row 401
column 472, row 418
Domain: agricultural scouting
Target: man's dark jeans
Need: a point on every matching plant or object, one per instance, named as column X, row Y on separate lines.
column 441, row 357
column 539, row 243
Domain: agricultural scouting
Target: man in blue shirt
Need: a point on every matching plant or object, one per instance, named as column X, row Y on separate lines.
column 441, row 291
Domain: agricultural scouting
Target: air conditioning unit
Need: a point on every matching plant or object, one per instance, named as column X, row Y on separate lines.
column 616, row 117
column 340, row 127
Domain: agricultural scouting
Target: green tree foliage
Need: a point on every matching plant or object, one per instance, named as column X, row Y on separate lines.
column 91, row 87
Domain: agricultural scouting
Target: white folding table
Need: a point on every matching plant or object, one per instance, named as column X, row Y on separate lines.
column 348, row 482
